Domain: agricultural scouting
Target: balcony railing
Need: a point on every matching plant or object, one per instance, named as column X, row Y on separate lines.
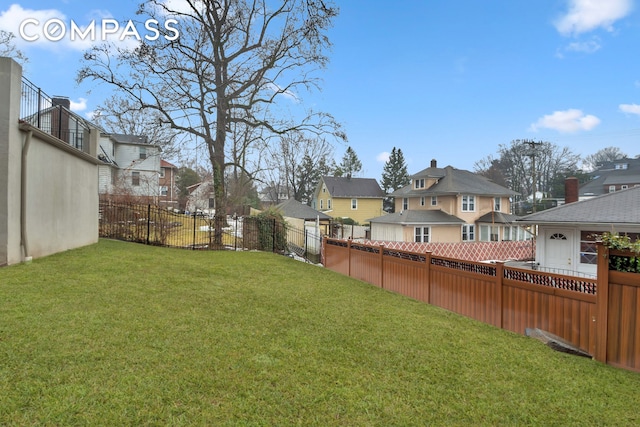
column 52, row 115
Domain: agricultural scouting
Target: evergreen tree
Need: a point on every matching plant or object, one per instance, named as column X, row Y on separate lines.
column 350, row 164
column 394, row 176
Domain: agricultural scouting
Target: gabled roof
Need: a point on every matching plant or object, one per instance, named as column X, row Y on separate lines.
column 456, row 181
column 353, row 187
column 418, row 217
column 165, row 164
column 294, row 209
column 621, row 207
column 607, row 174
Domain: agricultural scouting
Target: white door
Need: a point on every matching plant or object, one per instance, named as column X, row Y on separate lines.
column 559, row 249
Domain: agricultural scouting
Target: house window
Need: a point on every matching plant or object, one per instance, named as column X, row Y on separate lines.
column 143, row 153
column 468, row 203
column 329, row 204
column 621, row 166
column 612, row 189
column 354, row 203
column 405, row 204
column 468, row 233
column 164, row 190
column 558, row 236
column 588, row 247
column 434, row 200
column 489, row 233
column 421, row 234
column 419, row 183
column 324, row 190
column 422, row 202
column 496, row 204
column 161, row 172
column 506, row 233
column 135, row 178
column 212, row 203
column 321, row 204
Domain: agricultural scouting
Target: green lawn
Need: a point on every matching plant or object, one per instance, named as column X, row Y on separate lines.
column 124, row 334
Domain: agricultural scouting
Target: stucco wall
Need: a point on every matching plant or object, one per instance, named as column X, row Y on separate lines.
column 62, row 200
column 51, row 204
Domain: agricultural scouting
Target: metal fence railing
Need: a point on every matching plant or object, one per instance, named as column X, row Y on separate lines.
column 154, row 225
column 52, row 115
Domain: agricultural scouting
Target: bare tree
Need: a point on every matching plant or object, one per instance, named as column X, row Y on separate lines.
column 296, row 163
column 608, row 154
column 120, row 115
column 514, row 166
column 233, row 62
column 9, row 49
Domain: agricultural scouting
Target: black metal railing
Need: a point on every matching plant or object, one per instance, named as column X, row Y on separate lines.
column 155, row 225
column 52, row 115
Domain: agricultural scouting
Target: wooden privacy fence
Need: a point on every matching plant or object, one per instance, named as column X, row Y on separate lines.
column 598, row 316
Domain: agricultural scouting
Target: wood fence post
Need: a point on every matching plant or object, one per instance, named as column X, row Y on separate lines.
column 427, row 267
column 500, row 290
column 382, row 266
column 602, row 303
column 349, row 256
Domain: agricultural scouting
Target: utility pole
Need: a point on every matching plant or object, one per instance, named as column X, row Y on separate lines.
column 532, row 145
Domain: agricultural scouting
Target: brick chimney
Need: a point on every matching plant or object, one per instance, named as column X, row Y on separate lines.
column 60, row 118
column 434, row 163
column 571, row 190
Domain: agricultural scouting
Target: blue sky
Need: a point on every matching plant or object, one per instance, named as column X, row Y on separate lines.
column 441, row 79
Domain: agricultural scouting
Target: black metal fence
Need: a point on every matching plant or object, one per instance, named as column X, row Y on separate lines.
column 154, row 225
column 52, row 115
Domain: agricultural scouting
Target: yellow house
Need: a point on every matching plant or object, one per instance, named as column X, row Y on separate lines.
column 346, row 197
column 449, row 205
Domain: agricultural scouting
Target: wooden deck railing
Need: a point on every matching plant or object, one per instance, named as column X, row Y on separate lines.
column 599, row 316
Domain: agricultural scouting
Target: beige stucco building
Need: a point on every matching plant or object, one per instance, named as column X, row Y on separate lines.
column 449, row 205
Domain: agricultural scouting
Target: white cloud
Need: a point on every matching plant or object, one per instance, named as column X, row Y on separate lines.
column 630, row 108
column 284, row 92
column 79, row 105
column 590, row 46
column 587, row 15
column 567, row 121
column 383, row 157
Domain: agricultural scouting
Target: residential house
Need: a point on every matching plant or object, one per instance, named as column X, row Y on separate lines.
column 612, row 176
column 347, row 197
column 567, row 234
column 131, row 166
column 449, row 205
column 201, row 198
column 305, row 229
column 168, row 190
column 273, row 195
column 300, row 216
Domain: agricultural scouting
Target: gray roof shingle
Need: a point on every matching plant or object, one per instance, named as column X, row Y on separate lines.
column 621, row 207
column 418, row 217
column 454, row 181
column 294, row 209
column 353, row 187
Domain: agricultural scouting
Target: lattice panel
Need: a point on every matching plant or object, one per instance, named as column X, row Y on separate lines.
column 476, row 251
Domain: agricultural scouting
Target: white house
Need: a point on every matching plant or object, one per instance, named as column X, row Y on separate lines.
column 567, row 234
column 131, row 166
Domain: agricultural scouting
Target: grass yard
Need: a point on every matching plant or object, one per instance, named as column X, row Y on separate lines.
column 125, row 334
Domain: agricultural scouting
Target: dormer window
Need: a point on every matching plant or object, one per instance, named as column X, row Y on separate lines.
column 419, row 183
column 621, row 166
